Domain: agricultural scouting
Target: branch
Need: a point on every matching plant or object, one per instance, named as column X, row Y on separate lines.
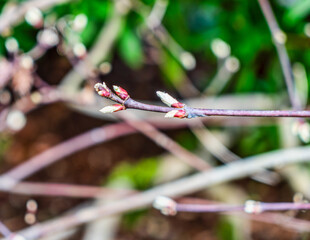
column 65, row 190
column 279, row 38
column 191, row 184
column 167, row 206
column 66, row 148
column 15, row 14
column 177, row 109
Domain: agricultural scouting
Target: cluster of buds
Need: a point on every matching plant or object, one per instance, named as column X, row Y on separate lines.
column 172, row 102
column 104, row 91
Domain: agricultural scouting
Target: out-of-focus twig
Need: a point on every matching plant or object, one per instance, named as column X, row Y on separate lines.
column 14, row 14
column 65, row 190
column 100, row 50
column 169, row 207
column 191, row 184
column 165, row 142
column 279, row 39
column 90, row 138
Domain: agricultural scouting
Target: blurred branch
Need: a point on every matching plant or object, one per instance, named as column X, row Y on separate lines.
column 100, row 50
column 279, row 39
column 187, row 185
column 12, row 15
column 50, row 156
column 167, row 206
column 221, row 152
column 165, row 142
column 65, row 190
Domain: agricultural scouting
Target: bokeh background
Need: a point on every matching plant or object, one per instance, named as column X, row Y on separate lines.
column 212, row 54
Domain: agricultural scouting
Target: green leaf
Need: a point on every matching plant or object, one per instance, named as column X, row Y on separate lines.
column 130, row 48
column 297, row 12
column 140, row 174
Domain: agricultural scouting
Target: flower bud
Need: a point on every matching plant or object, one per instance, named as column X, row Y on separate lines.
column 176, row 113
column 166, row 205
column 253, row 207
column 122, row 93
column 168, row 100
column 48, row 38
column 11, row 45
column 102, row 89
column 113, row 108
column 79, row 50
column 34, row 17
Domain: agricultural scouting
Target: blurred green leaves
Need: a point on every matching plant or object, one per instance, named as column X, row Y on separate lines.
column 139, row 175
column 130, row 48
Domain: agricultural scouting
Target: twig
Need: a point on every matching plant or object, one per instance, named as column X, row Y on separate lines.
column 180, row 110
column 4, row 230
column 279, row 38
column 15, row 14
column 66, row 148
column 65, row 190
column 221, row 152
column 34, row 164
column 191, row 184
column 165, row 142
column 169, row 207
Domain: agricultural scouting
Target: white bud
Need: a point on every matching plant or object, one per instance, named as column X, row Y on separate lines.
column 111, row 109
column 98, row 85
column 79, row 50
column 280, row 37
column 11, row 45
column 16, row 120
column 105, row 67
column 307, row 29
column 26, row 62
column 232, row 64
column 220, row 48
column 304, row 132
column 171, row 114
column 48, row 38
column 32, row 205
column 166, row 205
column 252, row 206
column 188, row 60
column 166, row 98
column 34, row 17
column 79, row 22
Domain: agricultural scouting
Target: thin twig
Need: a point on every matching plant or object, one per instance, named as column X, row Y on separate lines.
column 187, row 185
column 167, row 206
column 188, row 112
column 4, row 230
column 165, row 142
column 66, row 148
column 65, row 190
column 15, row 14
column 279, row 39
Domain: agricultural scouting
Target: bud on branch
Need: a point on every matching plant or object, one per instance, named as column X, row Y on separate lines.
column 177, row 109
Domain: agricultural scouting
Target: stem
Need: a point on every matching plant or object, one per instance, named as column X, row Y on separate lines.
column 65, row 190
column 181, row 207
column 130, row 103
column 4, row 230
column 190, row 184
column 282, row 53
